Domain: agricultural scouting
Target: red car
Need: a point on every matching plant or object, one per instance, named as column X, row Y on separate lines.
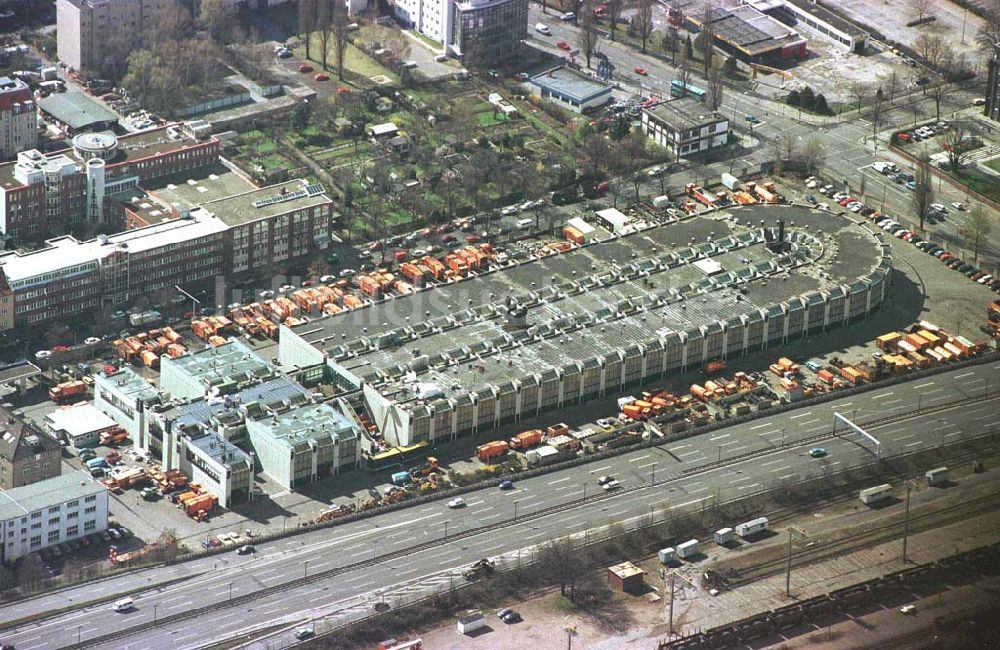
column 60, row 348
column 448, row 238
column 305, row 67
column 322, row 76
column 343, row 90
column 640, row 70
column 562, row 45
column 445, row 228
column 472, row 239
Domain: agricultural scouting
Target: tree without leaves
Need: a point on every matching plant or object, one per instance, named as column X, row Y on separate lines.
column 859, row 90
column 307, row 21
column 977, row 230
column 670, row 43
column 216, row 18
column 339, row 23
column 930, row 47
column 614, row 15
column 892, row 84
column 813, row 156
column 923, row 191
column 988, row 37
column 564, row 564
column 716, row 88
column 588, row 33
column 324, row 28
column 876, row 114
column 643, row 21
column 707, row 39
column 920, row 8
column 954, row 144
column 938, row 92
column 595, row 153
column 684, row 71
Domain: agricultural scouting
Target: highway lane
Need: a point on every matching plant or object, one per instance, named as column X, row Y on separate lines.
column 289, row 559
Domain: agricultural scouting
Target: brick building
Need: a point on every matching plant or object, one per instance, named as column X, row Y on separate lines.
column 26, row 454
column 18, row 118
column 41, row 193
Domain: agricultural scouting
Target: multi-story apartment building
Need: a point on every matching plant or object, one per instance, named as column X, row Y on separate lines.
column 493, row 28
column 685, row 127
column 488, row 30
column 59, row 509
column 91, row 33
column 40, row 192
column 992, row 107
column 26, row 454
column 18, row 118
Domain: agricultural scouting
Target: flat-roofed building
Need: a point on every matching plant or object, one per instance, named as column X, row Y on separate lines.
column 304, row 444
column 92, row 34
column 573, row 89
column 126, row 397
column 556, row 331
column 743, row 31
column 214, row 371
column 18, row 118
column 685, row 127
column 56, row 510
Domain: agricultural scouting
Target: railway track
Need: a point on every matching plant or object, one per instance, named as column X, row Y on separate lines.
column 869, row 537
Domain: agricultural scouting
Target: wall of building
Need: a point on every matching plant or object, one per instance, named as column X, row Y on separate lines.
column 63, row 521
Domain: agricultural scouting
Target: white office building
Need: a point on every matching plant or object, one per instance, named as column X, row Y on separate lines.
column 50, row 512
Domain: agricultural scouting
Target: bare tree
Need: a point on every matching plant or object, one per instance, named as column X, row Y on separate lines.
column 859, row 90
column 878, row 103
column 29, row 572
column 954, row 144
column 813, row 155
column 589, row 36
column 930, row 47
column 716, row 88
column 892, row 84
column 595, row 152
column 324, row 27
column 340, row 24
column 988, row 37
column 684, row 71
column 614, row 15
column 308, row 10
column 707, row 36
column 977, row 230
column 920, row 8
column 564, row 563
column 216, row 18
column 670, row 42
column 938, row 91
column 923, row 190
column 784, row 149
column 644, row 21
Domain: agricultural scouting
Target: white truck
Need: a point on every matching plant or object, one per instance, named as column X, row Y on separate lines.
column 875, row 494
column 145, row 318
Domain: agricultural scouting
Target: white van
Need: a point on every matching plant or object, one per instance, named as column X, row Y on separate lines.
column 123, row 605
column 524, row 224
column 543, row 29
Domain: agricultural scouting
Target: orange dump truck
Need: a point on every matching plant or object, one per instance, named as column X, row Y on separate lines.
column 67, row 390
column 526, row 439
column 491, row 450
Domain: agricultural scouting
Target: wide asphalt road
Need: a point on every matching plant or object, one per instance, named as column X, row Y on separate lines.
column 666, row 480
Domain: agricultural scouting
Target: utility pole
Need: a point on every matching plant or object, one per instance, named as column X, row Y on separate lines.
column 910, row 486
column 671, row 632
column 788, row 559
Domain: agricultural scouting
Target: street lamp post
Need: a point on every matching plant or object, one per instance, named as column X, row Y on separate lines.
column 155, row 605
column 652, row 475
column 720, row 452
column 446, row 530
column 305, row 568
column 230, row 592
column 78, row 628
column 194, row 301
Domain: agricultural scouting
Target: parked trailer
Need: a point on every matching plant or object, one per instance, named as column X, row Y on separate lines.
column 723, row 536
column 751, row 527
column 687, row 549
column 875, row 494
column 937, row 476
column 667, row 555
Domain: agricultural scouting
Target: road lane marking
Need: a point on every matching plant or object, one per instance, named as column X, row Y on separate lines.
column 725, row 435
column 924, row 385
column 633, row 460
column 747, row 487
column 953, row 433
column 801, row 415
column 914, row 444
column 760, row 426
column 647, row 465
column 600, row 469
column 892, row 401
column 964, row 374
column 781, row 469
column 562, row 480
column 782, row 478
column 687, row 503
column 772, row 462
column 875, row 397
column 909, row 435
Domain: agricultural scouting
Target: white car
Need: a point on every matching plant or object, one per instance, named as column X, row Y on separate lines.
column 823, row 206
column 123, row 605
column 43, row 354
column 509, row 210
column 986, row 278
column 958, row 206
column 91, row 340
column 543, row 29
column 937, row 207
column 457, row 502
column 346, row 273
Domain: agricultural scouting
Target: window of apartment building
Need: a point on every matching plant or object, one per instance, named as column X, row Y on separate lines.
column 54, row 521
column 53, row 536
column 36, row 541
column 73, row 531
column 72, row 515
column 90, row 510
column 89, row 526
column 91, row 498
column 36, row 515
column 36, row 526
column 53, row 510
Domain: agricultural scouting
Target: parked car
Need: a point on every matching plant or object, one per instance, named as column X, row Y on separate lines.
column 246, row 549
column 322, row 76
column 305, row 67
column 563, row 45
column 457, row 502
column 304, row 633
column 639, row 70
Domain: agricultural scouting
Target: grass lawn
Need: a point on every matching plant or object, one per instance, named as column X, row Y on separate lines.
column 994, row 164
column 355, row 61
column 985, row 184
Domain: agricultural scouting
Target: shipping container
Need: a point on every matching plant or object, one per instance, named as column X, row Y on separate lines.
column 687, row 549
column 937, row 476
column 886, row 341
column 723, row 536
column 751, row 527
column 875, row 494
column 825, row 376
column 667, row 555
